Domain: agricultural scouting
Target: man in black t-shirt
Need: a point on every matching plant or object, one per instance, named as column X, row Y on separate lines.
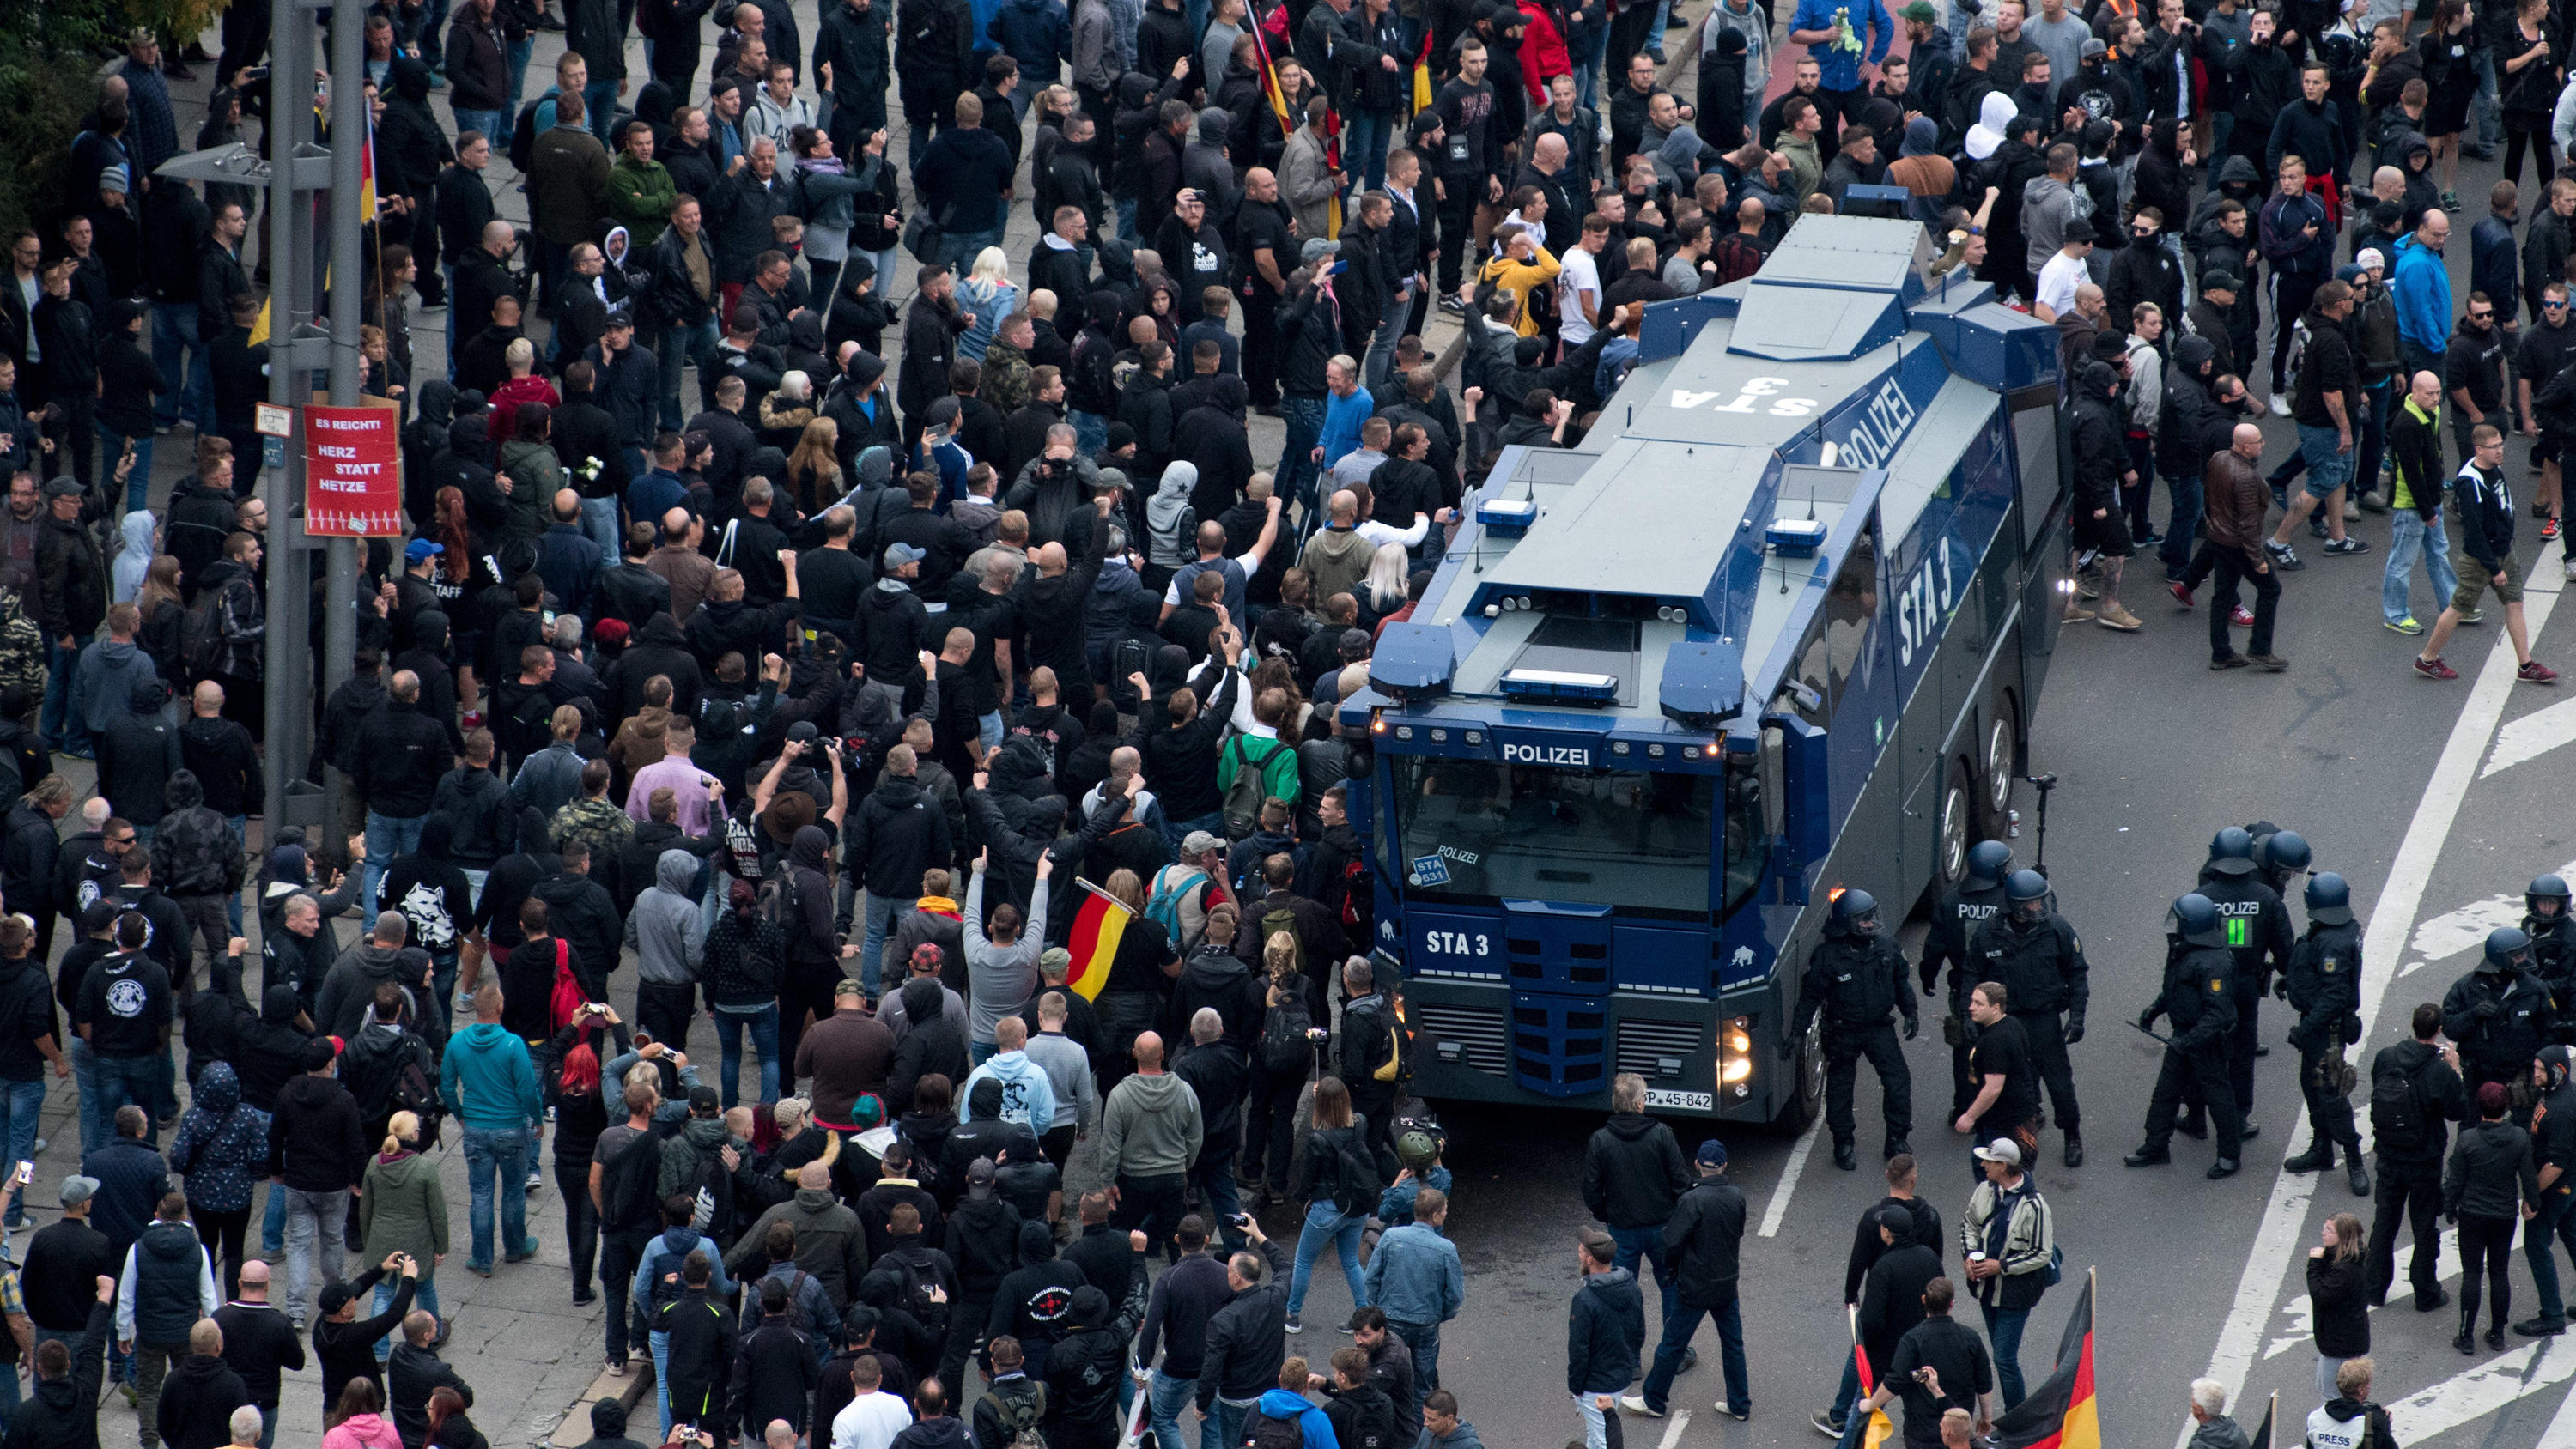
column 1939, row 1365
column 2007, row 1084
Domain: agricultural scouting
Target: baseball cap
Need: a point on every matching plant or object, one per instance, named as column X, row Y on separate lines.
column 1199, row 842
column 421, row 548
column 2221, row 279
column 63, row 488
column 78, row 1189
column 980, row 1173
column 2002, row 1149
column 1316, row 249
column 899, row 554
column 848, row 987
column 926, row 956
column 1054, row 956
column 336, row 1297
column 621, row 318
column 703, row 1098
column 2078, row 230
column 802, row 732
column 2094, row 48
column 943, row 412
column 1712, row 1153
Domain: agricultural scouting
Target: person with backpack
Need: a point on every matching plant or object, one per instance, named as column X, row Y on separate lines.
column 1369, row 1053
column 1187, row 889
column 402, row 1209
column 624, row 1164
column 1283, row 1058
column 1313, row 927
column 388, row 1068
column 656, row 1285
column 1340, row 1186
column 1013, row 1404
column 1283, row 1417
column 2012, row 1234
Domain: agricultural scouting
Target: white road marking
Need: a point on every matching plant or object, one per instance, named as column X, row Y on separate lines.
column 1779, row 1207
column 2532, row 736
column 2562, row 1429
column 2454, row 932
column 2478, row 1392
column 2296, row 1328
column 2283, row 1228
column 1673, row 1431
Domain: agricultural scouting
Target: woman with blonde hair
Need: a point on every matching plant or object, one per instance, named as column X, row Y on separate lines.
column 1270, row 1116
column 990, row 294
column 2338, row 1299
column 402, row 1209
column 1383, row 591
column 814, row 468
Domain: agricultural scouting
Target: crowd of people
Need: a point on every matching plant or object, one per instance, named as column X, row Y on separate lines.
column 832, row 695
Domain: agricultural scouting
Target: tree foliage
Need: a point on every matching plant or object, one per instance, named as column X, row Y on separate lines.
column 48, row 60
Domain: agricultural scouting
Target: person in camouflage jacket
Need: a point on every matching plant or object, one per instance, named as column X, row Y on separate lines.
column 596, row 823
column 22, row 650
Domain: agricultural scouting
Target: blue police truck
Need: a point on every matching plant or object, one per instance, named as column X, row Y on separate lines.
column 1776, row 627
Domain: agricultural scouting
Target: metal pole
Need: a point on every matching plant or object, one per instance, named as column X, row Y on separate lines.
column 348, row 142
column 290, row 239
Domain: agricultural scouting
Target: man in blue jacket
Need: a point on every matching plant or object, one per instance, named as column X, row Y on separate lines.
column 2421, row 286
column 2298, row 239
column 491, row 1090
column 1415, row 1278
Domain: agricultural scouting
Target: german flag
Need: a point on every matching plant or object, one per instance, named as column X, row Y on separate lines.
column 1881, row 1430
column 2060, row 1412
column 1097, row 928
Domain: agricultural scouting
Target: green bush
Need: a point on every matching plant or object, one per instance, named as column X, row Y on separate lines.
column 48, row 58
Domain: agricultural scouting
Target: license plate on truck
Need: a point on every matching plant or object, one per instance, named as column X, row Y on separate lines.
column 1681, row 1101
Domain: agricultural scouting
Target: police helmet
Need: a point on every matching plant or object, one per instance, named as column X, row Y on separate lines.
column 2329, row 899
column 2231, row 851
column 2027, row 888
column 2285, row 851
column 2507, row 947
column 1855, row 913
column 1989, row 861
column 2546, row 888
column 2195, row 919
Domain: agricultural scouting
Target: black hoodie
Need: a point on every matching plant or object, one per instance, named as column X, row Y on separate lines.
column 314, row 1137
column 580, row 912
column 63, row 1413
column 983, row 1241
column 197, row 1403
column 1035, row 1302
column 1891, row 1296
column 1633, row 1172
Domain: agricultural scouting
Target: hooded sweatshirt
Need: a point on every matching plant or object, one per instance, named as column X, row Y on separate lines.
column 1028, row 1095
column 1035, row 1303
column 999, row 978
column 222, row 1144
column 350, row 990
column 1310, row 1420
column 486, row 1079
column 133, row 556
column 1169, row 527
column 665, row 928
column 315, row 1142
column 2342, row 1423
column 1151, row 1127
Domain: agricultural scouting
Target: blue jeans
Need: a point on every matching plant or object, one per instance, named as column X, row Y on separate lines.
column 599, row 525
column 988, row 729
column 1127, row 221
column 1678, row 1328
column 1176, row 831
column 387, row 837
column 502, row 1151
column 1647, row 1244
column 1166, row 1395
column 1364, row 140
column 2411, row 534
column 960, row 248
column 2182, row 520
column 2490, row 116
column 980, row 1052
column 272, row 1227
column 21, row 1103
column 880, row 920
column 1296, row 472
column 763, row 1026
column 1326, row 1223
column 426, row 1299
column 680, row 347
column 599, row 107
column 495, row 128
column 111, row 443
column 519, row 52
column 661, row 1345
column 2329, row 467
column 93, row 1124
column 1583, row 52
column 1424, row 1340
column 2540, row 1239
column 1390, row 327
column 174, row 331
column 122, row 1080
column 2003, row 1335
column 61, row 718
column 2370, row 440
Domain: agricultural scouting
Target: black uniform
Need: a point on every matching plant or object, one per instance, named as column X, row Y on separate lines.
column 2553, row 960
column 2040, row 965
column 2414, row 1096
column 2499, row 1021
column 2200, row 1000
column 2323, row 985
column 1957, row 918
column 2260, row 939
column 1856, row 981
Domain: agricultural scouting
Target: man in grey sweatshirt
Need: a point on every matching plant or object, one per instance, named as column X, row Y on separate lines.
column 1150, row 1134
column 670, row 945
column 1068, row 1069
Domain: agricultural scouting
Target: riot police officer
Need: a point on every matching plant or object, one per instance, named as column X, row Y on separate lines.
column 2323, row 985
column 2199, row 997
column 1856, row 976
column 2280, row 856
column 2498, row 1015
column 1975, row 901
column 2553, row 951
column 2037, row 957
column 2258, row 932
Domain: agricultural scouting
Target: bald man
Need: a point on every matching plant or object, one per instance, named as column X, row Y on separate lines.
column 2234, row 503
column 1051, row 609
column 690, row 574
column 260, row 1342
column 568, row 558
column 830, row 1244
column 2415, row 506
column 1150, row 1135
column 225, row 760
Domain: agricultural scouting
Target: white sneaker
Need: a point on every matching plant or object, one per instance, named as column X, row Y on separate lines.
column 2280, row 405
column 1636, row 1404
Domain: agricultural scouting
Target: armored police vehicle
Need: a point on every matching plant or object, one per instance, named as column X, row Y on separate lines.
column 1775, row 627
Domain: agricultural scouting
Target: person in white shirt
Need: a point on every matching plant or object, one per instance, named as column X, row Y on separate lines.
column 1578, row 288
column 2064, row 272
column 874, row 1417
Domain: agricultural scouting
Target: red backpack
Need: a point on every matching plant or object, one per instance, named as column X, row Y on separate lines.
column 567, row 999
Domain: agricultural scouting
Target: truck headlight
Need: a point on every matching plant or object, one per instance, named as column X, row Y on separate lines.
column 1736, row 1069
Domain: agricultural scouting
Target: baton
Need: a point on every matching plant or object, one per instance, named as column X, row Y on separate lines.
column 2150, row 1033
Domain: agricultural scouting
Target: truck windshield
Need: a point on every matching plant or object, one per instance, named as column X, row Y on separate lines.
column 1472, row 831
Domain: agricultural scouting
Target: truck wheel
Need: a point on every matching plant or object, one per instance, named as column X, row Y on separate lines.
column 1806, row 1082
column 1995, row 780
column 1959, row 822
